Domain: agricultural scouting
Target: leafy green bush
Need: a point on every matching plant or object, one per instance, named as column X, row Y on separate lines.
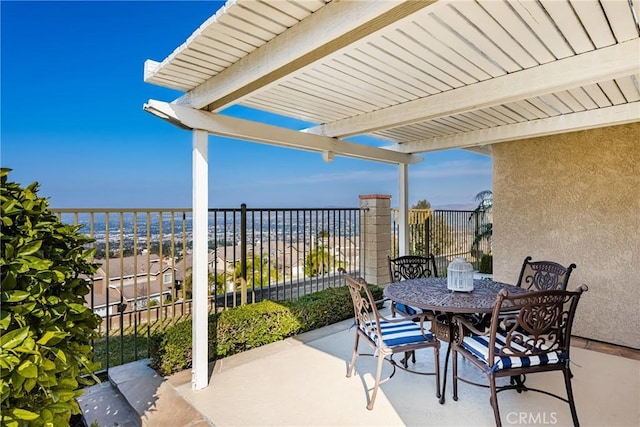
column 242, row 328
column 170, row 348
column 322, row 308
column 45, row 326
column 326, row 307
column 253, row 325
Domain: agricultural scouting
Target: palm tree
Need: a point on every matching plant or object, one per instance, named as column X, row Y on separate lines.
column 217, row 283
column 259, row 271
column 318, row 261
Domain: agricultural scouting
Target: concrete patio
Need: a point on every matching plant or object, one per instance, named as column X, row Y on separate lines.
column 301, row 382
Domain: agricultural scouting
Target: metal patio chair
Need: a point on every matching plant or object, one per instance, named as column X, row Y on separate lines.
column 387, row 336
column 540, row 276
column 537, row 339
column 536, row 276
column 410, row 267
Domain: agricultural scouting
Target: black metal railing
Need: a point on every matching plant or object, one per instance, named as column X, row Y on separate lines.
column 445, row 233
column 284, row 253
column 144, row 279
column 145, row 257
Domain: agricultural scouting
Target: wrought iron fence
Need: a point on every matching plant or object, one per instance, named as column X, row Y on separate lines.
column 283, row 253
column 145, row 259
column 446, row 234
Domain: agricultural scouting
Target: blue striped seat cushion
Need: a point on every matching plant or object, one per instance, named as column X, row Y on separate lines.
column 479, row 347
column 407, row 309
column 398, row 333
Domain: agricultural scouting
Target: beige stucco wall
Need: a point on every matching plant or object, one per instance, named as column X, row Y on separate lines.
column 576, row 198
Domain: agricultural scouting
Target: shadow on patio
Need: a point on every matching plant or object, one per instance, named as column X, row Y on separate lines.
column 301, row 382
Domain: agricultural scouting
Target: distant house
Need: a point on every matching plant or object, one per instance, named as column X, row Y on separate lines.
column 141, row 280
column 183, row 266
column 144, row 280
column 288, row 259
column 346, row 252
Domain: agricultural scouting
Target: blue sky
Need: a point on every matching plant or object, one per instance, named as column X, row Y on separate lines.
column 72, row 92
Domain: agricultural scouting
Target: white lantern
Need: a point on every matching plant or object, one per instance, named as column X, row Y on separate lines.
column 460, row 275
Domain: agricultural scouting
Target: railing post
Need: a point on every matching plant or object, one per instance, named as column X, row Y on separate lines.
column 376, row 239
column 427, row 233
column 243, row 240
column 243, row 253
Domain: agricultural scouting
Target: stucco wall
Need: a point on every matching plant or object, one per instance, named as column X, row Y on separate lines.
column 576, row 198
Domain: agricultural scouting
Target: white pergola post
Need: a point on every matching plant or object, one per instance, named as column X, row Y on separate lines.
column 200, row 369
column 403, row 209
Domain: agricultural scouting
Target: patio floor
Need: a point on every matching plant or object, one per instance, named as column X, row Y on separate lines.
column 301, row 382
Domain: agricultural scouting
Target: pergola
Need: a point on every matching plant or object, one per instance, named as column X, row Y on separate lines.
column 421, row 75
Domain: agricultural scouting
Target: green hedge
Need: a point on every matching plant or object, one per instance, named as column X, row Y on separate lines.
column 242, row 328
column 250, row 326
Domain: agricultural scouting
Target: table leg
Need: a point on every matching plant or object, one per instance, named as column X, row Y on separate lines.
column 444, row 377
column 446, row 358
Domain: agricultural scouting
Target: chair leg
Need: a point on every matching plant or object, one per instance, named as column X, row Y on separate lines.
column 436, row 361
column 572, row 403
column 377, row 384
column 518, row 381
column 405, row 360
column 353, row 358
column 494, row 400
column 454, row 363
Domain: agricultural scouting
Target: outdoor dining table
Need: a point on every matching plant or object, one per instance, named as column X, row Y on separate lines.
column 432, row 294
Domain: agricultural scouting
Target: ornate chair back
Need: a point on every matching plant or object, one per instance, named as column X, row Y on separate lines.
column 544, row 275
column 412, row 267
column 364, row 307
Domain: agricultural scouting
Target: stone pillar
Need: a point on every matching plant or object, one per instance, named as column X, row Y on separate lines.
column 375, row 238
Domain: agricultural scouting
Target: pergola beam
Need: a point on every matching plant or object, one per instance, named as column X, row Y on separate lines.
column 231, row 127
column 601, row 117
column 616, row 61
